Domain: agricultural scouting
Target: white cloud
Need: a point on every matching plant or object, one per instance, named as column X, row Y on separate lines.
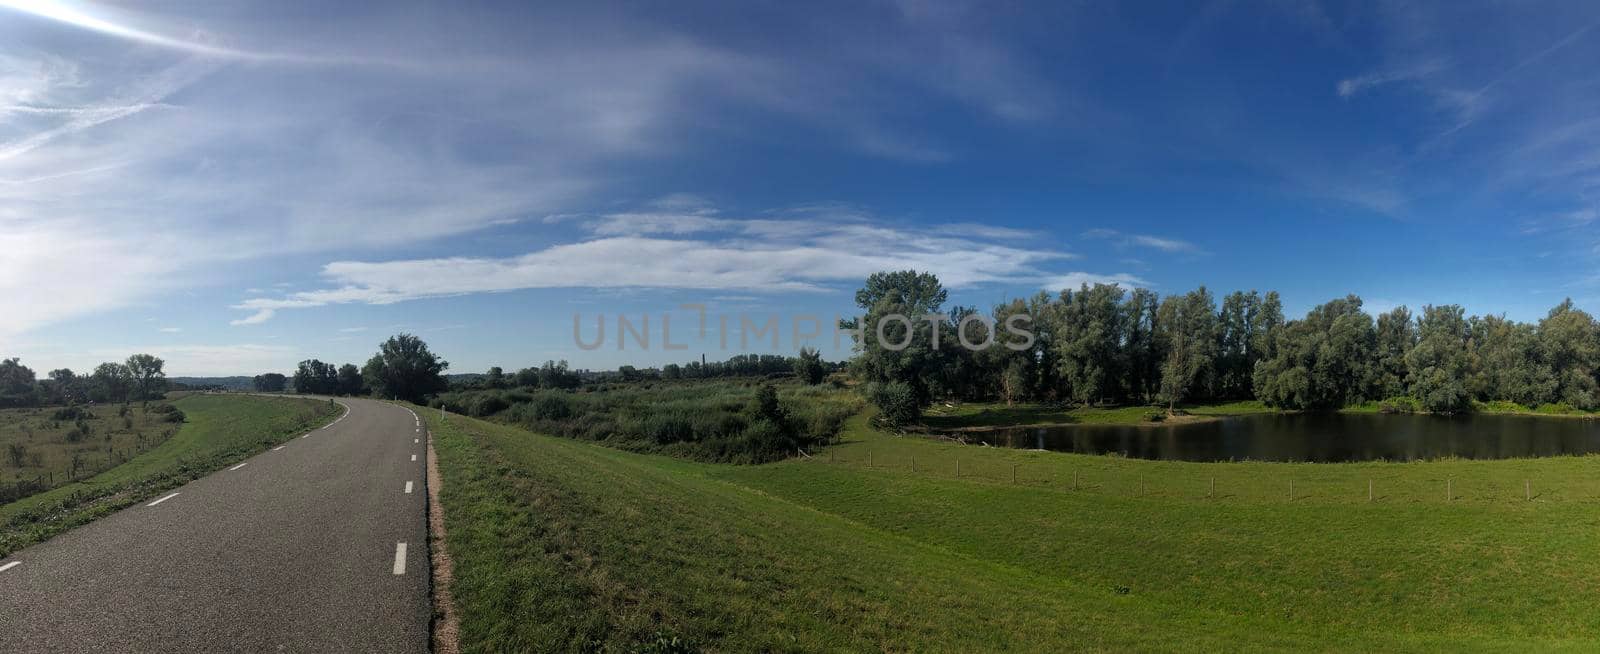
column 631, row 251
column 352, row 330
column 256, row 318
column 1170, row 245
column 170, row 330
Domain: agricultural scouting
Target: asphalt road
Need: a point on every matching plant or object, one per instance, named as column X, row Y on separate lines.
column 298, row 550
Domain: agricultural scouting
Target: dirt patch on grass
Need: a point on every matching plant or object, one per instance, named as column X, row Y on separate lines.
column 446, row 624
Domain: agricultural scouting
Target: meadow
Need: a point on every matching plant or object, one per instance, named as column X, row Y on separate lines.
column 42, row 448
column 562, row 544
column 217, row 431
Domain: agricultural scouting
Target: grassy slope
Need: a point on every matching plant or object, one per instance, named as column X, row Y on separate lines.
column 560, row 544
column 221, row 429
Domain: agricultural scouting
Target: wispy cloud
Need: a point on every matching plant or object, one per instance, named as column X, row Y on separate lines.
column 632, row 250
column 1164, row 244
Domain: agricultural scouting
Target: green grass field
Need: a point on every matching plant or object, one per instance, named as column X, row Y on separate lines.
column 220, row 430
column 560, row 544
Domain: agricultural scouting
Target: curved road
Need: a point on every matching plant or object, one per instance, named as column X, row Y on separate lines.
column 318, row 546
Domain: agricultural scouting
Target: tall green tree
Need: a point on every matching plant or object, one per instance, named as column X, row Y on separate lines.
column 404, row 368
column 1570, row 342
column 808, row 366
column 314, row 377
column 1439, row 368
column 1397, row 334
column 112, row 381
column 17, row 384
column 895, row 345
column 1510, row 365
column 1142, row 351
column 149, row 380
column 1089, row 344
column 1188, row 324
column 1323, row 362
column 350, row 381
column 271, row 382
column 1236, row 359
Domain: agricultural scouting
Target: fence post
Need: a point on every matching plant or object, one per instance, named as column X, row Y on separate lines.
column 1449, row 494
column 1369, row 490
column 1013, row 473
column 1527, row 490
column 913, row 463
column 1211, row 491
column 869, row 458
column 958, row 467
column 1291, row 490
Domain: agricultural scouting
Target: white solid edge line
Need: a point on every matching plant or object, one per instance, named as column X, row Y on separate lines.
column 408, row 487
column 237, row 467
column 162, row 499
column 308, row 435
column 399, row 558
column 10, row 565
column 279, row 447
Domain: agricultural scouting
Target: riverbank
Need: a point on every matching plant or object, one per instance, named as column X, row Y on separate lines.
column 978, row 416
column 983, row 416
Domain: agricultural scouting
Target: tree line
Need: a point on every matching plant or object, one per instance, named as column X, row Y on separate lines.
column 1102, row 344
column 141, row 377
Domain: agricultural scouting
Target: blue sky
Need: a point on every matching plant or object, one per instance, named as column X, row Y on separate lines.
column 239, row 186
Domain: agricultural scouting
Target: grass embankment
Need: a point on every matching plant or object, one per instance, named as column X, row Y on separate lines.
column 560, row 544
column 988, row 415
column 220, row 430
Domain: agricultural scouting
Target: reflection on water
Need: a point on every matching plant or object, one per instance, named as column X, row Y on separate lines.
column 1317, row 437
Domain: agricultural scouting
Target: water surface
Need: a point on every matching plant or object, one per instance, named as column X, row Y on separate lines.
column 1334, row 437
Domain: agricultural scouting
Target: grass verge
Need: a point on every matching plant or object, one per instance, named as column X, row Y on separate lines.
column 221, row 430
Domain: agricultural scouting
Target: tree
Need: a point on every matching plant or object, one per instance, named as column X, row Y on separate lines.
column 1397, row 334
column 350, row 382
column 1510, row 364
column 1089, row 342
column 148, row 377
column 271, row 382
column 113, row 381
column 554, row 374
column 808, row 366
column 1323, row 362
column 63, row 387
column 404, row 368
column 528, row 377
column 893, row 341
column 1570, row 343
column 495, row 378
column 1143, row 353
column 1440, row 365
column 1189, row 324
column 314, row 377
column 17, row 384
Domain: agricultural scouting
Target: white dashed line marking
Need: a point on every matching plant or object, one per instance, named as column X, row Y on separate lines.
column 399, row 558
column 10, row 565
column 413, row 457
column 237, row 467
column 408, row 487
column 162, row 499
column 279, row 447
column 416, row 440
column 308, row 435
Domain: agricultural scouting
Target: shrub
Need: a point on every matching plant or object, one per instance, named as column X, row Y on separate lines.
column 897, row 403
column 1400, row 404
column 74, row 413
column 551, row 405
